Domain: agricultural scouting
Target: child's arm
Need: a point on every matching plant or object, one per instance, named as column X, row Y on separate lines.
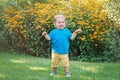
column 46, row 35
column 74, row 34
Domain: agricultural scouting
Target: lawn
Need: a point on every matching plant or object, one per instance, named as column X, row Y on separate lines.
column 14, row 66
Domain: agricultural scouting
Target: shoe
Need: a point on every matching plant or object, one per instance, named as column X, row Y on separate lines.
column 67, row 74
column 52, row 74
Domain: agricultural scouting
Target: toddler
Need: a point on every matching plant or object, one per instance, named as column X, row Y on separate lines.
column 60, row 37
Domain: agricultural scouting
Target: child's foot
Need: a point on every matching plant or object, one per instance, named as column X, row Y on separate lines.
column 67, row 74
column 52, row 74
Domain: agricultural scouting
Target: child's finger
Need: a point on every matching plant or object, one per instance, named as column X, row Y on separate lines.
column 44, row 33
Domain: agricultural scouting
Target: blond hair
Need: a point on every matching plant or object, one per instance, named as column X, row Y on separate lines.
column 58, row 16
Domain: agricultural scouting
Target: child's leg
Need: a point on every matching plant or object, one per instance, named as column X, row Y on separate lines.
column 66, row 69
column 54, row 71
column 55, row 62
column 67, row 72
column 65, row 64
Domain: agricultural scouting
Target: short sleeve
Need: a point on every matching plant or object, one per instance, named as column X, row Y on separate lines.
column 50, row 35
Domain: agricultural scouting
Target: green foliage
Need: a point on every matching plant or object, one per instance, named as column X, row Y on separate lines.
column 96, row 43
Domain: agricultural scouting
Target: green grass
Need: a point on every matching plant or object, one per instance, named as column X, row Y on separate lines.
column 24, row 67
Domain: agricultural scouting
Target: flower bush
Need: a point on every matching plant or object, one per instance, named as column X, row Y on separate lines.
column 96, row 42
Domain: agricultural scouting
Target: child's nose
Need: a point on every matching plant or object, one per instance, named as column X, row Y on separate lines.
column 61, row 23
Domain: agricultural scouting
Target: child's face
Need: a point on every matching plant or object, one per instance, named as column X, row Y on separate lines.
column 60, row 23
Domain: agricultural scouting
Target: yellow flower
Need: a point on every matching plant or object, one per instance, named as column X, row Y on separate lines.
column 96, row 44
column 94, row 33
column 83, row 38
column 81, row 22
column 97, row 27
column 88, row 26
column 38, row 26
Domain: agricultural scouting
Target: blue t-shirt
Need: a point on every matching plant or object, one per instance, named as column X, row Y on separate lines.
column 60, row 40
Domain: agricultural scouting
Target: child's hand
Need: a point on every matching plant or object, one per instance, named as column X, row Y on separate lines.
column 44, row 33
column 78, row 30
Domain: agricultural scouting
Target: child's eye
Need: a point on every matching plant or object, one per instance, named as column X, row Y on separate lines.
column 61, row 22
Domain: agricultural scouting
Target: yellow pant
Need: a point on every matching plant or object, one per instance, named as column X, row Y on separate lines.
column 57, row 58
